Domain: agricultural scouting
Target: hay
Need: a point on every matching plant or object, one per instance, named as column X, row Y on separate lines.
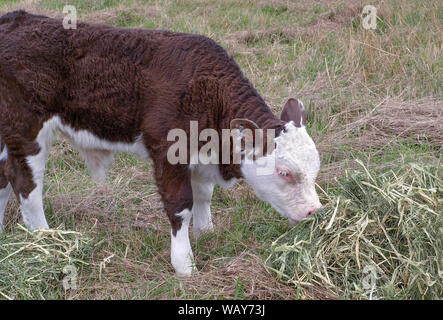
column 378, row 237
column 33, row 265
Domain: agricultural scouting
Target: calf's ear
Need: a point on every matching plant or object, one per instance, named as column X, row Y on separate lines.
column 241, row 124
column 252, row 140
column 294, row 110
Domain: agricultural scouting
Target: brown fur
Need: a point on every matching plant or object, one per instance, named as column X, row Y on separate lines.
column 117, row 84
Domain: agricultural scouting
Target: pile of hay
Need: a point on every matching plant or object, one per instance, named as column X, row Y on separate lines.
column 378, row 237
column 34, row 265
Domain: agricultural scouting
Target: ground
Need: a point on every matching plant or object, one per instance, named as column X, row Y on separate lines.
column 375, row 95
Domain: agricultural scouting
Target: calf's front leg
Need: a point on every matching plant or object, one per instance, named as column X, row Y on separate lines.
column 174, row 184
column 182, row 258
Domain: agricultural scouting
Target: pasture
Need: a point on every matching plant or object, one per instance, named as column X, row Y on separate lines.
column 375, row 111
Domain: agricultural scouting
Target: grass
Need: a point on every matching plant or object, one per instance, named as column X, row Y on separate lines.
column 374, row 95
column 33, row 264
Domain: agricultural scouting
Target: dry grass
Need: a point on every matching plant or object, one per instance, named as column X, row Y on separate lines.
column 111, row 16
column 30, row 6
column 242, row 277
column 389, row 124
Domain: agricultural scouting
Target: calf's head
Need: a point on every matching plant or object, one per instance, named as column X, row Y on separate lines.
column 288, row 183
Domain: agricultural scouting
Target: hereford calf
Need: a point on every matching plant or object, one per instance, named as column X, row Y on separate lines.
column 123, row 90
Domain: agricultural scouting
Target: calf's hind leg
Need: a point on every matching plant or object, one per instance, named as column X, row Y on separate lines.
column 5, row 187
column 26, row 178
column 202, row 189
column 4, row 197
column 25, row 170
column 24, row 175
column 98, row 162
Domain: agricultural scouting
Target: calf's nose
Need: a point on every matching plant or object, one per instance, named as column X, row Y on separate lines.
column 311, row 212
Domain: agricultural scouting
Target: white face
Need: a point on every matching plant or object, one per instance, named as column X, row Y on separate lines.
column 290, row 186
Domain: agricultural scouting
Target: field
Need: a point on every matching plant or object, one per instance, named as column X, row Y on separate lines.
column 375, row 111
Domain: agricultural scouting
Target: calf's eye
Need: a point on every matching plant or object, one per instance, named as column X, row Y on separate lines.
column 283, row 173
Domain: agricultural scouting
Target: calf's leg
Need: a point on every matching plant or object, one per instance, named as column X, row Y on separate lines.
column 98, row 162
column 4, row 197
column 25, row 169
column 174, row 185
column 202, row 190
column 5, row 188
column 26, row 178
column 182, row 258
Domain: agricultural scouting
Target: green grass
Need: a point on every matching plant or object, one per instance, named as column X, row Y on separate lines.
column 361, row 89
column 33, row 264
column 80, row 5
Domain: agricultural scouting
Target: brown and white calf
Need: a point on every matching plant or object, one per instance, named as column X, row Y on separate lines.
column 122, row 90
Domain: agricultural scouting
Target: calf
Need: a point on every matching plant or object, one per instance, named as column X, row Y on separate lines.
column 123, row 90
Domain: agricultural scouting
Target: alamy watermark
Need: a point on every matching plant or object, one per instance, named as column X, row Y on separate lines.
column 369, row 17
column 70, row 19
column 70, row 279
column 247, row 147
column 369, row 281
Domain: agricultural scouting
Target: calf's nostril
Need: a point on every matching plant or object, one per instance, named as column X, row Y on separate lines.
column 311, row 212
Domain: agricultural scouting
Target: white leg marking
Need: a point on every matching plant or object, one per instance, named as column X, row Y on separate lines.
column 32, row 209
column 4, row 153
column 202, row 193
column 98, row 162
column 5, row 192
column 32, row 206
column 4, row 197
column 182, row 258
